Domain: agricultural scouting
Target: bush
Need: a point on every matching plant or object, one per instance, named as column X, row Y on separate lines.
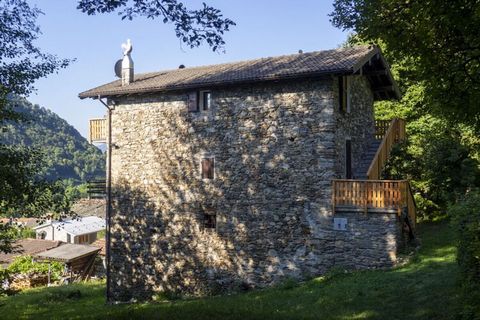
column 25, row 264
column 466, row 218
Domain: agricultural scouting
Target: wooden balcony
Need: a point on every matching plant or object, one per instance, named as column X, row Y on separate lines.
column 374, row 196
column 98, row 130
column 389, row 134
column 96, row 188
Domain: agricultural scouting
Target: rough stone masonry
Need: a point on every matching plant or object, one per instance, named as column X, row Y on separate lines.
column 275, row 148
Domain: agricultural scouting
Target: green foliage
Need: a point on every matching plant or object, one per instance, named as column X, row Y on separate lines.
column 437, row 161
column 65, row 154
column 25, row 232
column 440, row 38
column 26, row 265
column 21, row 64
column 466, row 218
column 192, row 27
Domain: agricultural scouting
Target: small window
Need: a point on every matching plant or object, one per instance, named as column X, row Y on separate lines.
column 208, row 168
column 199, row 101
column 82, row 239
column 69, row 238
column 209, row 218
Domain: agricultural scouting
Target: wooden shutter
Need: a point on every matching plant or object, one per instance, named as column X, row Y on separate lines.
column 192, row 102
column 342, row 93
column 208, row 168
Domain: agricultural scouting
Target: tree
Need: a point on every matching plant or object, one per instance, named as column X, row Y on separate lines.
column 21, row 63
column 193, row 27
column 440, row 37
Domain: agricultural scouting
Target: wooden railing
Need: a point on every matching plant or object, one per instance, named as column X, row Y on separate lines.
column 98, row 130
column 381, row 127
column 394, row 133
column 374, row 194
column 96, row 188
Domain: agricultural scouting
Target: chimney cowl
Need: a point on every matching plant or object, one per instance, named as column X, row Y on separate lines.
column 127, row 64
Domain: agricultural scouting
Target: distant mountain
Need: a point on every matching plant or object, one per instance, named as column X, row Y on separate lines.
column 68, row 155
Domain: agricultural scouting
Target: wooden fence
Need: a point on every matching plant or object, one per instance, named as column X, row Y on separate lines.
column 98, row 130
column 394, row 134
column 374, row 194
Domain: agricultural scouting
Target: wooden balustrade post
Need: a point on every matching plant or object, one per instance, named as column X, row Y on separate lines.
column 333, row 196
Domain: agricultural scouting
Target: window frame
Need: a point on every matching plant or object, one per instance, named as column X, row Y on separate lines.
column 202, row 94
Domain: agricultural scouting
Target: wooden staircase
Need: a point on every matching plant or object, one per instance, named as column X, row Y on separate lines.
column 367, row 192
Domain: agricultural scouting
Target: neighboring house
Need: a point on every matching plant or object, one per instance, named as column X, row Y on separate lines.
column 82, row 230
column 225, row 175
column 24, row 247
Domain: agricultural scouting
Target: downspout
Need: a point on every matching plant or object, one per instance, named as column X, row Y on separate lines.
column 109, row 196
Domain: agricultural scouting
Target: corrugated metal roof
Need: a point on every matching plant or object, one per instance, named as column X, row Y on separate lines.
column 342, row 60
column 78, row 226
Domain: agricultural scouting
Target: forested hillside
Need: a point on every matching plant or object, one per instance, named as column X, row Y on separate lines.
column 66, row 154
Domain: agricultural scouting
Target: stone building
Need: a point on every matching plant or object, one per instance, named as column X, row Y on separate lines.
column 221, row 175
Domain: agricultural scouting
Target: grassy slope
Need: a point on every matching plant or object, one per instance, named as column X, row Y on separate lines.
column 424, row 289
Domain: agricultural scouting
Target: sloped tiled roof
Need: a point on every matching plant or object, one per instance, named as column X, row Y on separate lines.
column 338, row 61
column 27, row 247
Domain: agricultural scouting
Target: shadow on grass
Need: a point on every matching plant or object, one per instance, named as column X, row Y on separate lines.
column 423, row 289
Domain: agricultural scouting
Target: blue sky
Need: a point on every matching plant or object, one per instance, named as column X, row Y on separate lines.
column 264, row 28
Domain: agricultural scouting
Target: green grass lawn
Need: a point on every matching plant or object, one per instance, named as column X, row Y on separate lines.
column 423, row 289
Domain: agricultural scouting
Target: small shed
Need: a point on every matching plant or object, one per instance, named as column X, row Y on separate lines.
column 79, row 259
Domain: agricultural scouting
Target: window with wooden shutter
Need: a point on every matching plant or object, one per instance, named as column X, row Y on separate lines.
column 192, row 102
column 208, row 168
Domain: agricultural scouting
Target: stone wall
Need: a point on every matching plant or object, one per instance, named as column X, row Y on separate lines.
column 369, row 241
column 275, row 151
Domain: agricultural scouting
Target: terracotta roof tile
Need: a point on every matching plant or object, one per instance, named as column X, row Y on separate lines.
column 343, row 60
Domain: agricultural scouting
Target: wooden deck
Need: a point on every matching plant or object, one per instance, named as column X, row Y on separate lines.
column 370, row 196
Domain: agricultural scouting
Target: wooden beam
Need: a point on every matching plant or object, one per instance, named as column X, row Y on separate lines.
column 383, row 89
column 375, row 73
